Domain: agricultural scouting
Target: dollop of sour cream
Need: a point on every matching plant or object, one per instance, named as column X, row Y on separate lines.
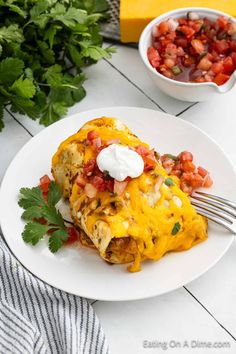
column 120, row 162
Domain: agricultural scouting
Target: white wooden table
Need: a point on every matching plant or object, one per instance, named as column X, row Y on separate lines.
column 204, row 310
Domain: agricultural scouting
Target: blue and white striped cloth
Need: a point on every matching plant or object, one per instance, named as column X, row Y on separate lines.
column 37, row 318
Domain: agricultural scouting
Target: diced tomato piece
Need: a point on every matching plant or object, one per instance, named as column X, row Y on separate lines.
column 163, row 27
column 202, row 172
column 177, row 173
column 182, row 21
column 228, row 65
column 188, row 31
column 188, row 61
column 45, row 179
column 80, row 180
column 92, row 134
column 222, row 22
column 99, row 183
column 208, row 182
column 153, row 57
column 149, row 164
column 196, row 181
column 221, row 46
column 193, row 179
column 72, row 235
column 185, row 156
column 220, row 78
column 44, row 184
column 119, row 187
column 110, row 184
column 233, row 45
column 89, row 167
column 188, row 166
column 196, row 25
column 181, row 42
column 186, row 187
column 198, row 46
column 142, row 150
column 233, row 56
column 217, row 67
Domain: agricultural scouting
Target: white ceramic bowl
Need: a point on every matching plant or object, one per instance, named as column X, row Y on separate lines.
column 186, row 91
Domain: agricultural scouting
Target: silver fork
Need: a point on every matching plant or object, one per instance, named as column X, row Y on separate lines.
column 215, row 208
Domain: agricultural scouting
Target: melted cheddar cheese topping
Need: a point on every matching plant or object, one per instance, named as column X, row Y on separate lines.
column 145, row 216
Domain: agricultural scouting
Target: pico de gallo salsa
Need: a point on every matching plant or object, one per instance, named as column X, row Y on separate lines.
column 194, row 49
column 93, row 180
column 191, row 177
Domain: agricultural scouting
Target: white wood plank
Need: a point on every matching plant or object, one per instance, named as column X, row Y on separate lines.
column 217, row 118
column 128, row 61
column 12, row 138
column 175, row 317
column 217, row 288
column 105, row 87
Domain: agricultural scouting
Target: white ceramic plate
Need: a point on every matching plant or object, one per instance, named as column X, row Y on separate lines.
column 83, row 272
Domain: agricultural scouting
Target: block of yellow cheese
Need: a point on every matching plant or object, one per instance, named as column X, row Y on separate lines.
column 135, row 14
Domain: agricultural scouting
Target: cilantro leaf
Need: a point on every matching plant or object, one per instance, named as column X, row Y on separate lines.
column 176, row 228
column 95, row 52
column 25, row 106
column 30, row 197
column 11, row 33
column 32, row 212
column 34, row 232
column 54, row 194
column 10, row 70
column 23, row 87
column 56, row 240
column 53, row 75
column 70, row 17
column 38, row 209
column 52, row 216
column 44, row 46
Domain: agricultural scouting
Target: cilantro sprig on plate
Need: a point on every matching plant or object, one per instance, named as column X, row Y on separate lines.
column 42, row 217
column 44, row 45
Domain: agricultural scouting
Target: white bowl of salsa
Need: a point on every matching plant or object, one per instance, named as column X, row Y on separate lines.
column 190, row 53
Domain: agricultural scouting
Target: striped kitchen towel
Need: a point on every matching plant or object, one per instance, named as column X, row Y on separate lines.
column 37, row 318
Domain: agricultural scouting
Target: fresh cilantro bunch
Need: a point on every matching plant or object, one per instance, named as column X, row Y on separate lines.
column 42, row 216
column 44, row 44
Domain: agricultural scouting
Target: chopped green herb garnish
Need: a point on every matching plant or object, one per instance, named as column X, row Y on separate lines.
column 173, row 157
column 202, row 55
column 203, row 27
column 106, row 174
column 176, row 228
column 176, row 70
column 42, row 216
column 169, row 182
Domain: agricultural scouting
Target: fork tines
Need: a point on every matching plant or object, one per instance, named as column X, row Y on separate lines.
column 215, row 208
